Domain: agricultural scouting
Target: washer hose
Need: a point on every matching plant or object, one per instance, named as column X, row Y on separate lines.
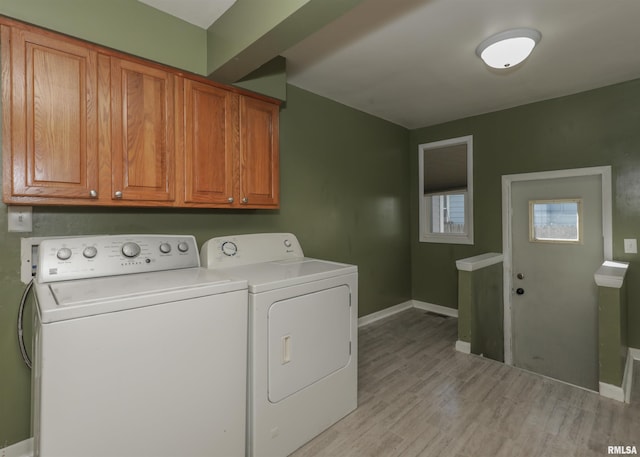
column 23, row 348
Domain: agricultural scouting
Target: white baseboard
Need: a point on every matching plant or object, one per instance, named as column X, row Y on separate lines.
column 384, row 313
column 21, row 449
column 622, row 393
column 387, row 312
column 463, row 346
column 438, row 309
column 627, row 378
column 611, row 391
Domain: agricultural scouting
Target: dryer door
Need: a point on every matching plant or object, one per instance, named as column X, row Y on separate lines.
column 309, row 338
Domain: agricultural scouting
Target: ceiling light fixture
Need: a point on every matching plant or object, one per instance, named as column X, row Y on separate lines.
column 507, row 49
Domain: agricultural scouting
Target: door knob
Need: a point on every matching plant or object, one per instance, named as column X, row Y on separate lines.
column 520, row 291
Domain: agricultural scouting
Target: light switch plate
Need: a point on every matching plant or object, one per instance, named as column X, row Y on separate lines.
column 630, row 246
column 20, row 218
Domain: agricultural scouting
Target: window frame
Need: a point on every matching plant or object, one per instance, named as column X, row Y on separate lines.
column 424, row 201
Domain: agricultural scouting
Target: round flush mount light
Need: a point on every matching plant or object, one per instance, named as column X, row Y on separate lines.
column 509, row 48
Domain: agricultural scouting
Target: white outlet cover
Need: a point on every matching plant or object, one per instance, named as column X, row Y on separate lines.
column 20, row 218
column 630, row 246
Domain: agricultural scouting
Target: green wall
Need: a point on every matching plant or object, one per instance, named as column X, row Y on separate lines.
column 125, row 25
column 594, row 128
column 343, row 193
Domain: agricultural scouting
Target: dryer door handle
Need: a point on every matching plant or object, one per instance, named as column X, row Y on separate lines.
column 286, row 349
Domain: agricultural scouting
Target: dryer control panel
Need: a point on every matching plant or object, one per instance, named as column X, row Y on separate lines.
column 62, row 259
column 234, row 251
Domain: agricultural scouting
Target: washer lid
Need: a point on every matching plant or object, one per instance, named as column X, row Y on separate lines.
column 285, row 273
column 87, row 297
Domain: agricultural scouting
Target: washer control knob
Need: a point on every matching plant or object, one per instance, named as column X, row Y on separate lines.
column 183, row 247
column 165, row 248
column 90, row 252
column 287, row 243
column 63, row 253
column 130, row 250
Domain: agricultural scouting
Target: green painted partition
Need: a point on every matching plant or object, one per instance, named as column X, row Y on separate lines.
column 480, row 305
column 612, row 326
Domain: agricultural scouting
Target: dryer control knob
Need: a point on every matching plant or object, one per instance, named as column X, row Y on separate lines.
column 63, row 253
column 183, row 247
column 165, row 248
column 130, row 250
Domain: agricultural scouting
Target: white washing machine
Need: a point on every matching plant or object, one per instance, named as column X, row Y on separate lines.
column 137, row 350
column 303, row 344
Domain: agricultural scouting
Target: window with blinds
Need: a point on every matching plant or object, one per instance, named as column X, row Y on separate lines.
column 445, row 193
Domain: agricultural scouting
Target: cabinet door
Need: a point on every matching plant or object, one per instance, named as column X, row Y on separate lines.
column 259, row 160
column 50, row 117
column 210, row 141
column 142, row 129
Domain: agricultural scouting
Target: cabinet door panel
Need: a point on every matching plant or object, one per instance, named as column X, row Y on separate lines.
column 54, row 117
column 142, row 132
column 259, row 160
column 210, row 141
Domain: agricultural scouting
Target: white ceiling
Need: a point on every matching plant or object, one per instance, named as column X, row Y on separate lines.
column 413, row 62
column 202, row 13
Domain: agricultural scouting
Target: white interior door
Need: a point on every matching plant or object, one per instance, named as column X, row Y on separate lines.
column 557, row 245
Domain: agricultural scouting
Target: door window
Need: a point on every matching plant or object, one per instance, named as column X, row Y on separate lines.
column 555, row 221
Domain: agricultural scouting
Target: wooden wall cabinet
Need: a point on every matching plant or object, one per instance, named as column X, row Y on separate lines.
column 142, row 132
column 84, row 125
column 259, row 147
column 50, row 127
column 230, row 148
column 209, row 144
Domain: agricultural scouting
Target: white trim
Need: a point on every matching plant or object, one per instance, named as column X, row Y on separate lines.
column 611, row 274
column 388, row 312
column 607, row 230
column 438, row 309
column 627, row 379
column 21, row 449
column 463, row 346
column 479, row 261
column 611, row 391
column 423, row 234
column 634, row 353
column 384, row 313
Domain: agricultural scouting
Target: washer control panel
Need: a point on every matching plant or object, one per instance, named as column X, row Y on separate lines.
column 62, row 259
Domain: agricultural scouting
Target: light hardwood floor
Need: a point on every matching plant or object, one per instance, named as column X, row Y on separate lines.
column 419, row 397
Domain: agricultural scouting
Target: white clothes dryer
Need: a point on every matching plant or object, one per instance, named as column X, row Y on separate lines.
column 137, row 350
column 303, row 315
